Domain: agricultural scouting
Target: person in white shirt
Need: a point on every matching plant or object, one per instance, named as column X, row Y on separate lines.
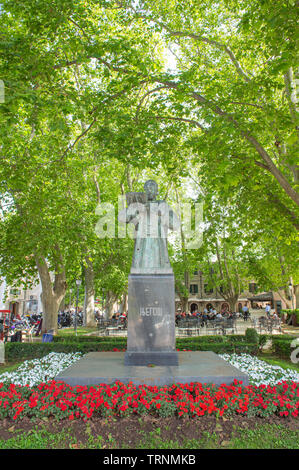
column 268, row 309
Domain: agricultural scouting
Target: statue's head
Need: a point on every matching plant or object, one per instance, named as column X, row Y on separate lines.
column 151, row 189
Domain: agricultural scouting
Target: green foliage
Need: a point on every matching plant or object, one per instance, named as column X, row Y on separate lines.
column 252, row 335
column 262, row 340
column 37, row 438
column 266, row 436
column 15, row 351
column 273, row 360
column 291, row 312
column 261, row 436
column 282, row 346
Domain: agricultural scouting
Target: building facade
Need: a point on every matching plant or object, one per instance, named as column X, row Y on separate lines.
column 20, row 301
column 201, row 296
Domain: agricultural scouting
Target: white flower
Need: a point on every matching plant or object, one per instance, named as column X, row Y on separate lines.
column 258, row 371
column 40, row 370
column 48, row 367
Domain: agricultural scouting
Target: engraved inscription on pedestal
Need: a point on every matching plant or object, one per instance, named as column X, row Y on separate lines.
column 151, row 323
column 151, row 311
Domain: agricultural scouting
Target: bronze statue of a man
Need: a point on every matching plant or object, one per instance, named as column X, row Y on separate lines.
column 152, row 220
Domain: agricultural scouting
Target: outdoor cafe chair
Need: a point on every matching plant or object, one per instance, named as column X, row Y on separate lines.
column 229, row 324
column 27, row 334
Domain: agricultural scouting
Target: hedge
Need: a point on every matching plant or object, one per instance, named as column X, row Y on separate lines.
column 91, row 339
column 36, row 350
column 252, row 335
column 283, row 337
column 123, row 340
column 282, row 346
column 15, row 351
column 290, row 312
column 221, row 348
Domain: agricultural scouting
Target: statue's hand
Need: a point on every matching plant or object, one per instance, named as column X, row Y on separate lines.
column 134, row 211
column 134, row 215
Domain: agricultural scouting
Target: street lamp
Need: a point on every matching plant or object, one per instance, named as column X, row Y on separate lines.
column 78, row 284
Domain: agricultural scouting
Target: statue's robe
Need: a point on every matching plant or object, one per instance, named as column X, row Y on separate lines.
column 152, row 222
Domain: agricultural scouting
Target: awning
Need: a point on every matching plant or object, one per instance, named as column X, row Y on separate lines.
column 264, row 297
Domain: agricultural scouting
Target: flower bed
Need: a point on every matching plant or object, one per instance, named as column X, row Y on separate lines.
column 259, row 371
column 25, row 393
column 40, row 370
column 47, row 368
column 60, row 400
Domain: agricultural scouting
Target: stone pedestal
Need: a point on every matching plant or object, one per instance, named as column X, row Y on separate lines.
column 151, row 321
column 107, row 367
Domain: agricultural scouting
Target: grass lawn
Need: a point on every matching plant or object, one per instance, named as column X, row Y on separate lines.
column 273, row 360
column 290, row 330
column 10, row 366
column 260, row 437
column 81, row 330
column 159, row 434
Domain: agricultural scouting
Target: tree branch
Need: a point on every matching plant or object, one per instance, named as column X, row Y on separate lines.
column 197, row 37
column 191, row 121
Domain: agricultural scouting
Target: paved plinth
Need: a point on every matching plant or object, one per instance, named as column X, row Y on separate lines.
column 107, row 367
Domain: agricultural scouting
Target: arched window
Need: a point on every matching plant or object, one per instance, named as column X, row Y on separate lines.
column 193, row 307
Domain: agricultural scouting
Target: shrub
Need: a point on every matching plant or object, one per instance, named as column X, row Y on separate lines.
column 15, row 351
column 282, row 346
column 262, row 340
column 252, row 335
column 290, row 312
column 123, row 340
column 36, row 350
column 91, row 339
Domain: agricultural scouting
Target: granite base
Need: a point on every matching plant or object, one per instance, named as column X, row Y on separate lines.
column 108, row 367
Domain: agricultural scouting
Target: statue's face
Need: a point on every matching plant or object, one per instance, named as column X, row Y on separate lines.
column 151, row 190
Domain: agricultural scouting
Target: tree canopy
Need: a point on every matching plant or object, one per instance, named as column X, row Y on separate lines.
column 100, row 95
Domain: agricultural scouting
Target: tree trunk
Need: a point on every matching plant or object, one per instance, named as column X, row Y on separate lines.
column 62, row 304
column 52, row 292
column 89, row 318
column 124, row 303
column 184, row 303
column 50, row 312
column 232, row 303
column 110, row 299
column 285, row 298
